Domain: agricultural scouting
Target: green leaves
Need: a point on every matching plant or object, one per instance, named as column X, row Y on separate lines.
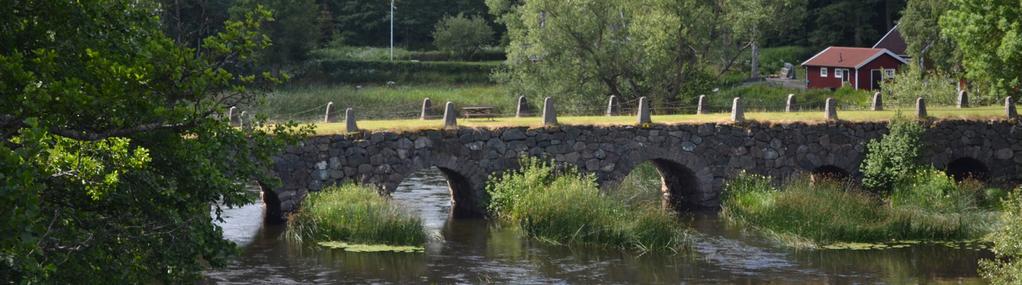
column 989, row 34
column 893, row 158
column 112, row 150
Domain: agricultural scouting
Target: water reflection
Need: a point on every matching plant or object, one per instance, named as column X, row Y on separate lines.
column 476, row 251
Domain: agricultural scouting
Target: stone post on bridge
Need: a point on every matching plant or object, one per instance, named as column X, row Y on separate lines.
column 549, row 114
column 230, row 115
column 326, row 117
column 426, row 105
column 701, row 108
column 349, row 121
column 789, row 106
column 613, row 108
column 241, row 120
column 737, row 111
column 921, row 108
column 523, row 107
column 963, row 99
column 1009, row 108
column 450, row 116
column 644, row 116
column 830, row 110
column 878, row 102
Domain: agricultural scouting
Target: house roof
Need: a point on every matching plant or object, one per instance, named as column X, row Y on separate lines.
column 893, row 42
column 848, row 57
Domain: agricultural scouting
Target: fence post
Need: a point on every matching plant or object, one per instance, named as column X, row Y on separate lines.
column 349, row 121
column 644, row 116
column 963, row 99
column 737, row 111
column 612, row 106
column 450, row 116
column 426, row 105
column 549, row 114
column 1009, row 108
column 921, row 108
column 326, row 117
column 878, row 102
column 523, row 107
column 701, row 108
column 831, row 110
column 790, row 105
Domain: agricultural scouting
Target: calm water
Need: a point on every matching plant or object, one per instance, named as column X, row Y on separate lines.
column 474, row 251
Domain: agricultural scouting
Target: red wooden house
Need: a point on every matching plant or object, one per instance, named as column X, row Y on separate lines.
column 862, row 68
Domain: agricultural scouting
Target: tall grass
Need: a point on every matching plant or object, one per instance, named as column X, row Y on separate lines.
column 378, row 102
column 830, row 211
column 567, row 207
column 356, row 214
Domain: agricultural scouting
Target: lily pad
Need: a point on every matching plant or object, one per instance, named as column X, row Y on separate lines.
column 370, row 247
column 856, row 246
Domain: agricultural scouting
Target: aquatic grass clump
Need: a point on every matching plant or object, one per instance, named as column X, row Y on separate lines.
column 354, row 214
column 563, row 206
column 932, row 208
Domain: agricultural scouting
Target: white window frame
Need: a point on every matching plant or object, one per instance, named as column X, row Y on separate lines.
column 823, row 72
column 889, row 73
column 842, row 73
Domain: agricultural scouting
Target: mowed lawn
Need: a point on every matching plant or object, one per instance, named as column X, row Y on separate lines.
column 977, row 113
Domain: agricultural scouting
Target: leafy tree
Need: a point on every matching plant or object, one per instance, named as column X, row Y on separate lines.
column 112, row 151
column 989, row 35
column 926, row 43
column 188, row 22
column 749, row 22
column 462, row 36
column 367, row 23
column 892, row 158
column 295, row 31
column 582, row 51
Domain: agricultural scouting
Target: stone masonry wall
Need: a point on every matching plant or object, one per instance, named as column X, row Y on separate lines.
column 695, row 159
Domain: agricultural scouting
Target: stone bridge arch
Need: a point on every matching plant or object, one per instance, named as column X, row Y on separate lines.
column 465, row 180
column 686, row 180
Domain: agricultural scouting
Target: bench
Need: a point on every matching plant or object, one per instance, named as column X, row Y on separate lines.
column 479, row 112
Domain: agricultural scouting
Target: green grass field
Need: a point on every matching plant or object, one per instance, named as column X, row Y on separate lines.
column 307, row 103
column 978, row 113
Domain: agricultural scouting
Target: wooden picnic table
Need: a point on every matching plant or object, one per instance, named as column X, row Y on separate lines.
column 479, row 112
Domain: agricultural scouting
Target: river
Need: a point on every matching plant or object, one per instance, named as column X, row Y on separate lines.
column 477, row 251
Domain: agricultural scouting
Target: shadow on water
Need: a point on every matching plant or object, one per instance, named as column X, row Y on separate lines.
column 477, row 251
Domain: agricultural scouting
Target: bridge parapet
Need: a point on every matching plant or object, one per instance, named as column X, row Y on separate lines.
column 693, row 159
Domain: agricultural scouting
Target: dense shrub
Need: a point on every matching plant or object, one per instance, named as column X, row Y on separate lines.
column 937, row 88
column 893, row 157
column 767, row 97
column 828, row 211
column 772, row 59
column 462, row 36
column 354, row 71
column 353, row 213
column 565, row 206
column 1007, row 268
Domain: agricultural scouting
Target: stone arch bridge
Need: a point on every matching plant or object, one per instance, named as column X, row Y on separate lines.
column 694, row 160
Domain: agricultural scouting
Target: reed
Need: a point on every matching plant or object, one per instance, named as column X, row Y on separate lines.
column 354, row 214
column 563, row 206
column 832, row 211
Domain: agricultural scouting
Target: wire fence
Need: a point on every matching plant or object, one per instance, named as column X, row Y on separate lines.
column 333, row 112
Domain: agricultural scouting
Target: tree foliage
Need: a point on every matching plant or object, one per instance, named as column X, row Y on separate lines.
column 462, row 36
column 926, row 42
column 1007, row 268
column 112, row 151
column 892, row 158
column 989, row 34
